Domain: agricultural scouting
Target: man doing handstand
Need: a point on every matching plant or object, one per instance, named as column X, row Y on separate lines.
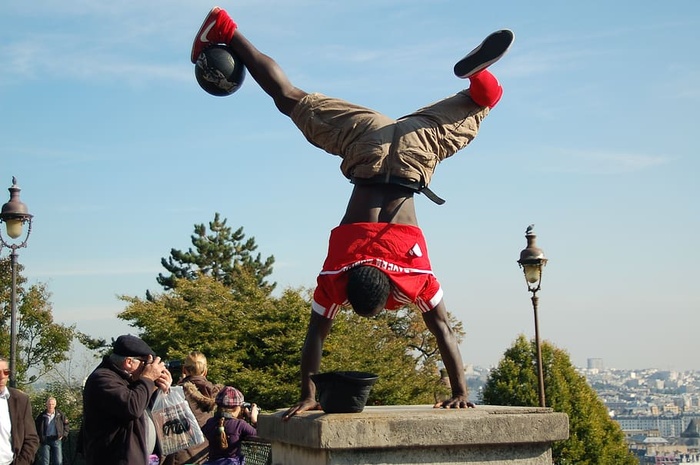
column 377, row 257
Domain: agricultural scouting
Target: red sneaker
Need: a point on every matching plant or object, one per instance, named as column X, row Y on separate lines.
column 217, row 28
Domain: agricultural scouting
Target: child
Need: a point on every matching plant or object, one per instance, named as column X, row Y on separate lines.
column 227, row 428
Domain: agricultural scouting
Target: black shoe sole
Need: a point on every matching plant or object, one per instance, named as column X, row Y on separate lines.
column 488, row 52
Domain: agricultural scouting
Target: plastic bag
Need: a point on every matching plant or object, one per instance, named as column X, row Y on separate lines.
column 176, row 425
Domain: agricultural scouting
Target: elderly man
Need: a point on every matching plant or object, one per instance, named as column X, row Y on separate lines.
column 116, row 427
column 52, row 426
column 18, row 439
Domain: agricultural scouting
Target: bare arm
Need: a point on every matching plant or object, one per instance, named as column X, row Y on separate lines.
column 316, row 334
column 437, row 322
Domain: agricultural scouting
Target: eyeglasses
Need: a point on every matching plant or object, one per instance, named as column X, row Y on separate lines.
column 6, row 372
column 145, row 362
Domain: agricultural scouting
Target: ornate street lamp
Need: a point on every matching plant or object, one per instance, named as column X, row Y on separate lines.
column 532, row 262
column 14, row 214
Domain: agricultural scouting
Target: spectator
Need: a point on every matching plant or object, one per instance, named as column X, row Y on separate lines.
column 227, row 428
column 117, row 429
column 201, row 395
column 18, row 439
column 52, row 427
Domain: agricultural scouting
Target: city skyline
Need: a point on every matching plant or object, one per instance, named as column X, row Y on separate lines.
column 119, row 154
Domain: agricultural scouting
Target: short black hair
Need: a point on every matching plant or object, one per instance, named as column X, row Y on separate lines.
column 368, row 290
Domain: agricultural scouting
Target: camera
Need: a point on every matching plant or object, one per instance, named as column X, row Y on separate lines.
column 173, row 365
column 246, row 405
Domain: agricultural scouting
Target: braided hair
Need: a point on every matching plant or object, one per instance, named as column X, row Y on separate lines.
column 368, row 290
column 223, row 439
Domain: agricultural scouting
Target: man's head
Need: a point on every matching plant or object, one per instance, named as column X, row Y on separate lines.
column 368, row 290
column 131, row 354
column 51, row 404
column 4, row 373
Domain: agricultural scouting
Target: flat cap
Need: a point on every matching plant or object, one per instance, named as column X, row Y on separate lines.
column 229, row 397
column 131, row 346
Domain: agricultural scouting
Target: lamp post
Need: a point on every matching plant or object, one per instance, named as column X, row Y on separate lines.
column 532, row 262
column 14, row 214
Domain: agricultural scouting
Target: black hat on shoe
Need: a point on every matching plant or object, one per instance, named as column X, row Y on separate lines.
column 131, row 346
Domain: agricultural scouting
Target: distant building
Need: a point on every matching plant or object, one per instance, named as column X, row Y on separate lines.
column 691, row 435
column 668, row 425
column 595, row 364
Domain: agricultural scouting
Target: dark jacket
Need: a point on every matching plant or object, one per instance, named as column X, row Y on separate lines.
column 114, row 417
column 200, row 394
column 236, row 431
column 42, row 422
column 25, row 441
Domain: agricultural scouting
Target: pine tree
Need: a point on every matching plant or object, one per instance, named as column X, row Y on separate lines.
column 594, row 438
column 220, row 253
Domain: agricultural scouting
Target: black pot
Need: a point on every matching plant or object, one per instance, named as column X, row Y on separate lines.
column 343, row 391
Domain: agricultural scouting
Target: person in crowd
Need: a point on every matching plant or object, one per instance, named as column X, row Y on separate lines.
column 377, row 257
column 52, row 427
column 201, row 396
column 18, row 438
column 117, row 430
column 229, row 427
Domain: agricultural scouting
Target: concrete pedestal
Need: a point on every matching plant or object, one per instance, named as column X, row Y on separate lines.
column 403, row 435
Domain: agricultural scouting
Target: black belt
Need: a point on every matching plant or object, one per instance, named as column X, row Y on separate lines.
column 415, row 186
column 51, row 437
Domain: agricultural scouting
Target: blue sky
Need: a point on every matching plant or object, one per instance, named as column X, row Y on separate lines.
column 119, row 153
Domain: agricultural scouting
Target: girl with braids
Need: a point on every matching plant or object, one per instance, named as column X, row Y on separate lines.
column 228, row 427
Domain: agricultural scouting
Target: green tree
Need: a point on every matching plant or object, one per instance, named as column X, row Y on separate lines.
column 253, row 341
column 248, row 337
column 220, row 253
column 41, row 343
column 396, row 346
column 594, row 438
column 216, row 300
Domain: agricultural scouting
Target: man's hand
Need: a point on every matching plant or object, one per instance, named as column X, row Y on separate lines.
column 165, row 380
column 153, row 369
column 318, row 330
column 303, row 406
column 455, row 402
